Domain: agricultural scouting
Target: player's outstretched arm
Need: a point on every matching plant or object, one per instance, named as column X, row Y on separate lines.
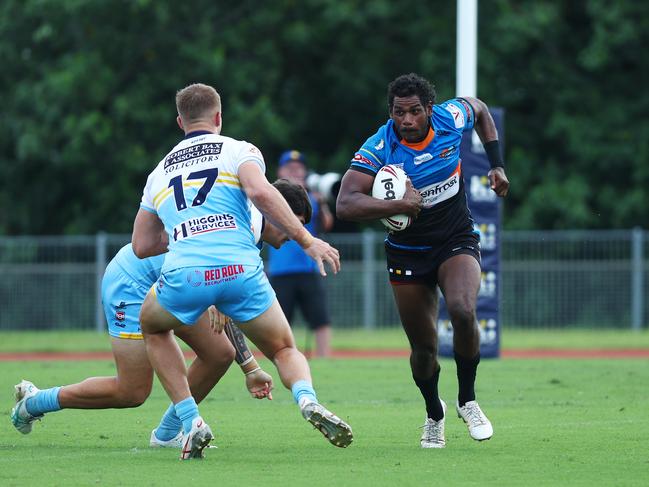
column 274, row 207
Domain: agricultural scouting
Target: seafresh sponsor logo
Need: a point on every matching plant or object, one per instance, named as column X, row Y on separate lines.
column 223, row 274
column 205, row 224
column 441, row 191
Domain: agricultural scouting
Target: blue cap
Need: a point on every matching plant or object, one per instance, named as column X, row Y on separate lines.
column 291, row 155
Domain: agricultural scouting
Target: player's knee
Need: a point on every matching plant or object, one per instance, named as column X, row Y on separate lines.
column 282, row 352
column 423, row 358
column 462, row 313
column 134, row 397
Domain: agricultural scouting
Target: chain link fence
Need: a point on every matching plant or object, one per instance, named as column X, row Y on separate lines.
column 557, row 279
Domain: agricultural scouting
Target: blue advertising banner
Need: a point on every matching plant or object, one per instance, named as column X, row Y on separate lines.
column 485, row 210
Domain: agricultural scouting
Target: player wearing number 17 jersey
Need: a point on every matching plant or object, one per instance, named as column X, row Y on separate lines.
column 199, row 194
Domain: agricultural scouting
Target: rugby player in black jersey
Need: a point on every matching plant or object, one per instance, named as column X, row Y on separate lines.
column 441, row 248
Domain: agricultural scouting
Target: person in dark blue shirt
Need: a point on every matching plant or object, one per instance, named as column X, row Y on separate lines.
column 441, row 248
column 293, row 275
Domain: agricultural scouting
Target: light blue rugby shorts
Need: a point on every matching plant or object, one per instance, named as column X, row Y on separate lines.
column 122, row 300
column 239, row 291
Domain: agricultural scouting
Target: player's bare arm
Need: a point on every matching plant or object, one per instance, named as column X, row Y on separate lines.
column 274, row 207
column 149, row 236
column 355, row 202
column 486, row 130
column 258, row 382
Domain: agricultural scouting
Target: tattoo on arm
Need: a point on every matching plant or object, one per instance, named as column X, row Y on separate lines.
column 235, row 335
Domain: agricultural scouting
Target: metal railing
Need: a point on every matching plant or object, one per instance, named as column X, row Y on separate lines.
column 549, row 279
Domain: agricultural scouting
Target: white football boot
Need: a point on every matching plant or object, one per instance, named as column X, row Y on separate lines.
column 20, row 418
column 331, row 426
column 479, row 426
column 196, row 440
column 175, row 442
column 433, row 434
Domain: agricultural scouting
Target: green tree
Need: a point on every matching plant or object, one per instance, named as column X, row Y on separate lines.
column 88, row 89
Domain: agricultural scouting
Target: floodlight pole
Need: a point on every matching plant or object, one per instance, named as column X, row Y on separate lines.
column 466, row 61
column 466, row 36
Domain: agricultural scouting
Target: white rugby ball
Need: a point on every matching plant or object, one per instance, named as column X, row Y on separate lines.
column 390, row 184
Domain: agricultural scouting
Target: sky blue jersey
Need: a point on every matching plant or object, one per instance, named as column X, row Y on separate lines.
column 196, row 193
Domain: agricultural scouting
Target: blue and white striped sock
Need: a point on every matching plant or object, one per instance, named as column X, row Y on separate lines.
column 44, row 401
column 169, row 426
column 186, row 410
column 303, row 393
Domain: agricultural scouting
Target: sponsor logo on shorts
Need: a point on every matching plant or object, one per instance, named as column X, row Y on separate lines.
column 205, row 224
column 223, row 274
column 441, row 191
column 400, row 272
column 194, row 154
column 120, row 315
column 195, row 278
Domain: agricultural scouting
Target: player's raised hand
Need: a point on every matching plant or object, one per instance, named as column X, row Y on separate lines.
column 498, row 181
column 413, row 199
column 260, row 384
column 217, row 319
column 322, row 252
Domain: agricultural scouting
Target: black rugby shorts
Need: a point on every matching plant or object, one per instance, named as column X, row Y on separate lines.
column 420, row 266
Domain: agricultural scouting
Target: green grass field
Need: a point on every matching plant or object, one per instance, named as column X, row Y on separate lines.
column 557, row 422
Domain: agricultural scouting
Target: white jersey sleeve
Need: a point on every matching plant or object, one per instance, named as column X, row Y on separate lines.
column 147, row 198
column 250, row 153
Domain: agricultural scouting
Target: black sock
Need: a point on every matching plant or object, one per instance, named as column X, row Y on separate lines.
column 466, row 370
column 428, row 388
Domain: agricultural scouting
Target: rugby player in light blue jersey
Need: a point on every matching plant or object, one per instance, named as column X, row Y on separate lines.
column 441, row 247
column 199, row 195
column 126, row 281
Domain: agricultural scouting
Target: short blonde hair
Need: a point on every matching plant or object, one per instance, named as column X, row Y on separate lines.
column 196, row 102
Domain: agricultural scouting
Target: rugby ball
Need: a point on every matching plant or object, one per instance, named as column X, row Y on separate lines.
column 390, row 184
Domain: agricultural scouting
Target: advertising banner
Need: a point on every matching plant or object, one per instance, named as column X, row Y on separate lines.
column 486, row 213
